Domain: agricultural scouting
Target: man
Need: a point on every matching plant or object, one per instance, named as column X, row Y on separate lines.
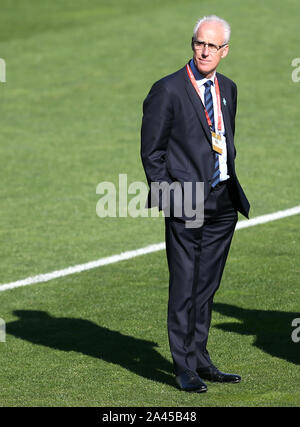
column 187, row 136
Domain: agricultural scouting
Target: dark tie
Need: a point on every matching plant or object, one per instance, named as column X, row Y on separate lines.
column 208, row 102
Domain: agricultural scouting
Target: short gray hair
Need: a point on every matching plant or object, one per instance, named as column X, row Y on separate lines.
column 214, row 18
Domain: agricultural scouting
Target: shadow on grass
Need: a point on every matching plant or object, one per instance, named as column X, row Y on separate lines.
column 272, row 329
column 83, row 336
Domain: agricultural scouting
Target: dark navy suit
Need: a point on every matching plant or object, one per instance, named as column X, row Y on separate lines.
column 176, row 146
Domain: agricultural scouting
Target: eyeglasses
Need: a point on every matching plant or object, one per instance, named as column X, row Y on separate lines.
column 212, row 48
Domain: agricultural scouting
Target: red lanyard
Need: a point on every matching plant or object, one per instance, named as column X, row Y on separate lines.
column 194, row 83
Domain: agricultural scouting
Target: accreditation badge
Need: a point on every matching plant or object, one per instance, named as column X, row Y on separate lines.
column 216, row 142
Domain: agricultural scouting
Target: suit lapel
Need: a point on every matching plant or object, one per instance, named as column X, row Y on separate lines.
column 198, row 106
column 225, row 112
column 228, row 129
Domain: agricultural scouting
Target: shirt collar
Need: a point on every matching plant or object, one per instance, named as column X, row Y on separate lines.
column 198, row 76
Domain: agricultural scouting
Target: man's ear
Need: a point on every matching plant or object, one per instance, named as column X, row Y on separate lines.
column 192, row 44
column 225, row 51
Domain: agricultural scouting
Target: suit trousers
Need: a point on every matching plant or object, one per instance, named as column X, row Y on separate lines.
column 196, row 259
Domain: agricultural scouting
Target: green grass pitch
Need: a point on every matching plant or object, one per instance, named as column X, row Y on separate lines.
column 76, row 76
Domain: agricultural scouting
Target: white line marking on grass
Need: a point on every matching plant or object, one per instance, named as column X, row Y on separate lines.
column 135, row 253
column 268, row 218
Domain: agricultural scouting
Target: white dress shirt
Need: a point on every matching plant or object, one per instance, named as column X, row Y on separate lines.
column 222, row 157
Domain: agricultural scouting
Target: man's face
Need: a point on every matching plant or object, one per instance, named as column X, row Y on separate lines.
column 206, row 61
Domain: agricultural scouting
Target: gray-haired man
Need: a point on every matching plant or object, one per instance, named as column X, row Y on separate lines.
column 188, row 136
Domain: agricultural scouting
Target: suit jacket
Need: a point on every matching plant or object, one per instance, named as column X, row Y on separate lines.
column 176, row 140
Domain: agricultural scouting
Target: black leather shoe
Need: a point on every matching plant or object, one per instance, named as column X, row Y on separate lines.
column 211, row 373
column 190, row 381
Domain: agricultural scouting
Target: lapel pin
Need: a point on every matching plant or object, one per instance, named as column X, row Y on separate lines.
column 224, row 101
